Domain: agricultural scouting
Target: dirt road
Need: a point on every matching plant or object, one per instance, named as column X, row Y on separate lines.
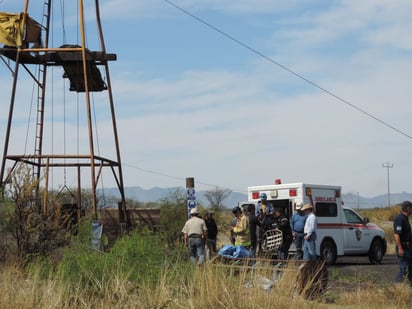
column 358, row 270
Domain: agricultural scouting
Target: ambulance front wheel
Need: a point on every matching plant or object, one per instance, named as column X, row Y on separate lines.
column 328, row 252
column 376, row 252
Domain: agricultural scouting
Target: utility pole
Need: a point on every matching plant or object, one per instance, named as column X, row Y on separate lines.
column 388, row 166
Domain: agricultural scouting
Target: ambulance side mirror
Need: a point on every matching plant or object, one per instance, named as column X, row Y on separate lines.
column 365, row 221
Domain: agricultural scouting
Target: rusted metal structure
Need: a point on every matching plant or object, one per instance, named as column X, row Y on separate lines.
column 140, row 218
column 29, row 49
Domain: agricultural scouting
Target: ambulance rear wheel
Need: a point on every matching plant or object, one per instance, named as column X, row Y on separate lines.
column 328, row 252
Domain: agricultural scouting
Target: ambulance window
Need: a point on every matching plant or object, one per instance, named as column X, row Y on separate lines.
column 351, row 217
column 326, row 210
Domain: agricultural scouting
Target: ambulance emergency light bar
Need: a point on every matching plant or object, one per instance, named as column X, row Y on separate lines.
column 292, row 192
column 273, row 193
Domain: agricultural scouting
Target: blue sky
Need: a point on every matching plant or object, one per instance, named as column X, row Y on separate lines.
column 191, row 102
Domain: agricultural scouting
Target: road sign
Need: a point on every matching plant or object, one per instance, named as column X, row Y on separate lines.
column 191, row 204
column 190, row 192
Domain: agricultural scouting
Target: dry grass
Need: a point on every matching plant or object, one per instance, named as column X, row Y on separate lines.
column 216, row 285
column 212, row 286
column 393, row 296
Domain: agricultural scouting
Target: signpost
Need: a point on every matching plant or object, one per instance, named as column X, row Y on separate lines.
column 190, row 194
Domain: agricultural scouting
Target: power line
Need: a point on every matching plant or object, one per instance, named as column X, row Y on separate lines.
column 153, row 172
column 314, row 84
column 180, row 178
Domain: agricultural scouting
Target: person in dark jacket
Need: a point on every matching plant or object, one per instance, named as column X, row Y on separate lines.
column 254, row 223
column 283, row 224
column 403, row 241
column 211, row 233
column 232, row 234
column 268, row 221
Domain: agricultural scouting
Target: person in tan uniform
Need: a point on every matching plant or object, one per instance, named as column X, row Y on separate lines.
column 195, row 235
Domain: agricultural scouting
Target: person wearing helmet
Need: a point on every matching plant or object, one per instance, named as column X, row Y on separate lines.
column 264, row 212
column 264, row 207
column 194, row 236
column 297, row 224
column 241, row 229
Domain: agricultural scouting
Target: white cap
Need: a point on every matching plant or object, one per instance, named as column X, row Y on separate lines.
column 193, row 211
column 299, row 206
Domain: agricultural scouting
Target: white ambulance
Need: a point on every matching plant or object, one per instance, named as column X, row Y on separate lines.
column 341, row 230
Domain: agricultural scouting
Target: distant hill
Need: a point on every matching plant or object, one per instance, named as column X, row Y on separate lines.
column 155, row 194
column 380, row 201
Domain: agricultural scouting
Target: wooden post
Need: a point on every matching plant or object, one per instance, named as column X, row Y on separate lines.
column 190, row 182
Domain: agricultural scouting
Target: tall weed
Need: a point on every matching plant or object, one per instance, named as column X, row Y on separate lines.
column 137, row 257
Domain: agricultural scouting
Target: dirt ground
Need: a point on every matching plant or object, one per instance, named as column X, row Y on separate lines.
column 351, row 273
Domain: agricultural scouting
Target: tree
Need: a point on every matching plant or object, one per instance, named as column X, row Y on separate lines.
column 216, row 196
column 35, row 233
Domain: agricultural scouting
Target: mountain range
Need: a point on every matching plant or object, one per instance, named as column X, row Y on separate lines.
column 155, row 194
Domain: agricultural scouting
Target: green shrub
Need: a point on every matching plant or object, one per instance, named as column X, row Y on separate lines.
column 173, row 215
column 138, row 257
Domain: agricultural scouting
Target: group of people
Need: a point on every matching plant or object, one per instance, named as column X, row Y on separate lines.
column 202, row 232
column 304, row 225
column 247, row 229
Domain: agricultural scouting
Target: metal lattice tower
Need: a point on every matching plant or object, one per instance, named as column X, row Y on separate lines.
column 31, row 51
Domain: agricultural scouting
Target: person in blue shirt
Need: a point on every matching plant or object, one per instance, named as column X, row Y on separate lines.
column 297, row 223
column 264, row 207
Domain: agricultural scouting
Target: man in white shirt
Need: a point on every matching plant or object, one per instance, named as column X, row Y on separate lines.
column 195, row 235
column 309, row 232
